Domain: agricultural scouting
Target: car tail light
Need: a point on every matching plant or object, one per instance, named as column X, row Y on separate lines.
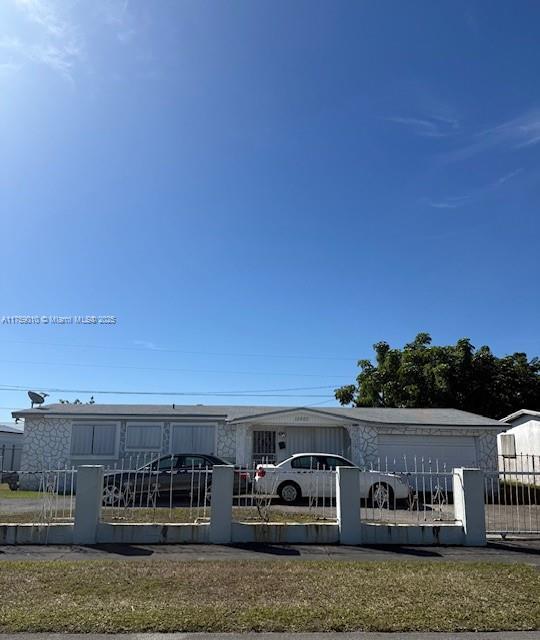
column 260, row 472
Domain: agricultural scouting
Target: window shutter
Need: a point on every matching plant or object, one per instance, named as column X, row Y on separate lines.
column 81, row 439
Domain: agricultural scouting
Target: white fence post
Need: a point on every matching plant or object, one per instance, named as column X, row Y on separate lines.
column 222, row 500
column 469, row 505
column 348, row 505
column 88, row 499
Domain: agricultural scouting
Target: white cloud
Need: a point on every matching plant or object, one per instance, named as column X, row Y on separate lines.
column 454, row 202
column 511, row 135
column 431, row 126
column 46, row 15
column 146, row 344
column 55, row 33
column 115, row 14
column 54, row 41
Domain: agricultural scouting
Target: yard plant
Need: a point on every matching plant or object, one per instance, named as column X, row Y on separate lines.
column 228, row 596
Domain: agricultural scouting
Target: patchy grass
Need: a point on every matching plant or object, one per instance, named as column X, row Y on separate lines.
column 234, row 596
column 162, row 514
column 185, row 514
column 7, row 494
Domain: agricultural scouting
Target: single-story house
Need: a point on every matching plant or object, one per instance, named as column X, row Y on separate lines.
column 524, row 428
column 10, row 447
column 116, row 434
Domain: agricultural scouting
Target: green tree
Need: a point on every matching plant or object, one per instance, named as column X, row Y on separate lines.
column 458, row 376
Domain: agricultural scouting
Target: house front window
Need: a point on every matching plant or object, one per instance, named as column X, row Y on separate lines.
column 99, row 440
column 144, row 437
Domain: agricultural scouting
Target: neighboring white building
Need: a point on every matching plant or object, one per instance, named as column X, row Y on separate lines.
column 66, row 434
column 11, row 440
column 525, row 429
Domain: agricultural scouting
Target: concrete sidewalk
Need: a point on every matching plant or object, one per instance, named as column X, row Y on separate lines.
column 507, row 635
column 522, row 551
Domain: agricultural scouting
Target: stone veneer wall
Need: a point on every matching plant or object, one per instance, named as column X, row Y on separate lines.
column 487, row 451
column 364, row 444
column 46, row 443
column 226, row 442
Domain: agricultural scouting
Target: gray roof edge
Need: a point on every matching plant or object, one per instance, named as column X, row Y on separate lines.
column 235, row 414
column 291, row 409
column 519, row 413
column 25, row 413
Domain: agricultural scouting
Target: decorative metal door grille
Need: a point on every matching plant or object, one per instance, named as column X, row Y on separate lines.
column 264, row 447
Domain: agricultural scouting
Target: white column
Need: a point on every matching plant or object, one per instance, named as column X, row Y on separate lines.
column 469, row 505
column 242, row 453
column 88, row 501
column 348, row 505
column 222, row 497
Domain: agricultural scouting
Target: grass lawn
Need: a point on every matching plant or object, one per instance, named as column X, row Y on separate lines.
column 120, row 596
column 7, row 493
column 162, row 514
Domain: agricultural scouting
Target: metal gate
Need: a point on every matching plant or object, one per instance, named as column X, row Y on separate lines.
column 512, row 496
column 264, row 447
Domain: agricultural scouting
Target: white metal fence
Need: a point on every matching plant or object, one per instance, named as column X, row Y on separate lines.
column 50, row 499
column 147, row 488
column 422, row 494
column 512, row 496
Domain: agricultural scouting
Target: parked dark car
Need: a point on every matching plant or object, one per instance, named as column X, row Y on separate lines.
column 180, row 474
column 11, row 478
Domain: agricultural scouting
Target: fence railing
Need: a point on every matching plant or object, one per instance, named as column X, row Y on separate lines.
column 50, row 499
column 263, row 496
column 421, row 493
column 146, row 488
column 66, row 493
column 512, row 496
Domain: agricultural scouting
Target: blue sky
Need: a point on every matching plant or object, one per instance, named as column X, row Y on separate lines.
column 259, row 191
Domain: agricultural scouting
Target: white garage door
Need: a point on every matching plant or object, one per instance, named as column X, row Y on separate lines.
column 453, row 451
column 197, row 438
column 317, row 440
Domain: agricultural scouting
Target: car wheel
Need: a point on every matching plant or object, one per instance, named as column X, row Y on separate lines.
column 381, row 496
column 112, row 496
column 289, row 492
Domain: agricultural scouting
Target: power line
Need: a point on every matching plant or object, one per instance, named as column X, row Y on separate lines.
column 183, row 370
column 166, row 393
column 9, row 387
column 171, row 350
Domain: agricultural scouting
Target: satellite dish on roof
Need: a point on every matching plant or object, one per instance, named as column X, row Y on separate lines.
column 37, row 398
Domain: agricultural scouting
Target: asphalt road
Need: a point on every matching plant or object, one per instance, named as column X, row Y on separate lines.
column 512, row 551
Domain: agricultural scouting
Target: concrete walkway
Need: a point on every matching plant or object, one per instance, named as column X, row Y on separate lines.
column 507, row 635
column 523, row 551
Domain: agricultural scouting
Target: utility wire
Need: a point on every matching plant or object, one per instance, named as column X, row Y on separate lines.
column 170, row 350
column 10, row 387
column 167, row 393
column 183, row 370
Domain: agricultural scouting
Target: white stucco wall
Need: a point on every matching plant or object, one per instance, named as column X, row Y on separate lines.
column 526, row 432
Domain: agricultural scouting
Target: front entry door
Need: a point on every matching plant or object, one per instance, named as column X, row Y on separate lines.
column 264, row 447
